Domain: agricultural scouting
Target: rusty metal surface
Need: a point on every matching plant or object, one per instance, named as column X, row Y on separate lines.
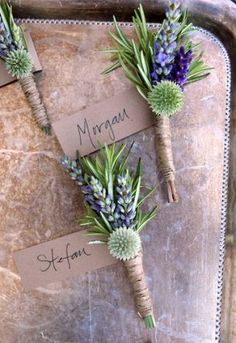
column 39, row 202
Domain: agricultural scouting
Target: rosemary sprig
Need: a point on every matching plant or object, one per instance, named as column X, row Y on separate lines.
column 111, row 191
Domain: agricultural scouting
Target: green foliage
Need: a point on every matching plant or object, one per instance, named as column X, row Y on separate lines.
column 186, row 27
column 18, row 63
column 9, row 23
column 124, row 243
column 106, row 165
column 166, row 98
column 136, row 56
column 110, row 168
column 197, row 70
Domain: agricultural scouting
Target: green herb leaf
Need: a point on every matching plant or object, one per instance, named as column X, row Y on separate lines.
column 144, row 219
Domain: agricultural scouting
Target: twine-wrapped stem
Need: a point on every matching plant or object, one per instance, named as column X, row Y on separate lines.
column 165, row 155
column 143, row 300
column 38, row 109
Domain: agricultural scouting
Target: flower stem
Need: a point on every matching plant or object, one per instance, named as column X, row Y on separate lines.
column 150, row 322
column 142, row 297
column 171, row 191
column 165, row 155
column 38, row 109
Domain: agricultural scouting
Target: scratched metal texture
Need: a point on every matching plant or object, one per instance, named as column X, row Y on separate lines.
column 39, row 202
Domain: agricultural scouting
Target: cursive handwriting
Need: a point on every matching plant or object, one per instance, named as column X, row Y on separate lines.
column 53, row 261
column 92, row 132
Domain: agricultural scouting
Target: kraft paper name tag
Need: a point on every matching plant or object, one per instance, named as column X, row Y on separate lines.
column 5, row 77
column 106, row 122
column 60, row 259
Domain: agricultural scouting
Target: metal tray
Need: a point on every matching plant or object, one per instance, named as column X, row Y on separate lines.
column 168, row 333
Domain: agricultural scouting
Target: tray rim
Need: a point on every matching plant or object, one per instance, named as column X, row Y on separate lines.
column 226, row 149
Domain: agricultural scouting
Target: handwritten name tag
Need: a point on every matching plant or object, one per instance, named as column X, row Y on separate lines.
column 60, row 259
column 106, row 122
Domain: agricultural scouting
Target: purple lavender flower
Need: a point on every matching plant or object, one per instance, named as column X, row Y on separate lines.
column 86, row 189
column 74, row 170
column 96, row 207
column 124, row 210
column 180, row 66
column 6, row 42
column 165, row 44
column 118, row 211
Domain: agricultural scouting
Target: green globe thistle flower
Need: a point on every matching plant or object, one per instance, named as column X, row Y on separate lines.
column 19, row 63
column 166, row 98
column 124, row 243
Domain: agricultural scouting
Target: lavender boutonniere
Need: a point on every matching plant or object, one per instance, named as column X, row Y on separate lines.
column 14, row 52
column 160, row 64
column 112, row 197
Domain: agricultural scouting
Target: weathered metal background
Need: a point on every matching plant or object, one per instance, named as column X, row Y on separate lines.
column 99, row 307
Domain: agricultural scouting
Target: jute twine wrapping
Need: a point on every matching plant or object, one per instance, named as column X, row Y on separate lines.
column 164, row 147
column 32, row 94
column 141, row 292
column 165, row 155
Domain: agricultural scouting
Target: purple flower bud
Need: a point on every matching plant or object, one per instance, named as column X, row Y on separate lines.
column 127, row 222
column 156, row 47
column 180, row 67
column 96, row 207
column 89, row 199
column 154, row 76
column 86, row 189
column 120, row 201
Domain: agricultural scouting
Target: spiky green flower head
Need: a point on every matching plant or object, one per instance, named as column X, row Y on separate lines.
column 124, row 243
column 166, row 98
column 19, row 63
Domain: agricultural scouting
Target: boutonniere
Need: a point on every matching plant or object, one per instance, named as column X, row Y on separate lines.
column 14, row 52
column 112, row 197
column 160, row 64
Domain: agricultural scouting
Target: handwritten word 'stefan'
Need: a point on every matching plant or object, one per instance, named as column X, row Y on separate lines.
column 60, row 259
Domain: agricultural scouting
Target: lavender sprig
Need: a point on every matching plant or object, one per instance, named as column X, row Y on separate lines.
column 125, row 200
column 165, row 44
column 97, row 197
column 74, row 170
column 114, row 208
column 92, row 191
column 6, row 42
column 102, row 200
column 180, row 67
